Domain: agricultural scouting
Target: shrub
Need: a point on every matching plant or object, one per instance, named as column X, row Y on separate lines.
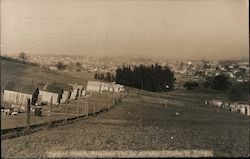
column 191, row 85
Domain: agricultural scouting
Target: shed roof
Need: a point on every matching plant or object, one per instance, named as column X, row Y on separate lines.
column 52, row 87
column 63, row 86
column 76, row 86
column 20, row 86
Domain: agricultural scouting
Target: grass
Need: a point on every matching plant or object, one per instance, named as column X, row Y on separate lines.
column 13, row 71
column 142, row 123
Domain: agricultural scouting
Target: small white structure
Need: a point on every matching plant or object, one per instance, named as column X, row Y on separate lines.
column 65, row 96
column 74, row 94
column 116, row 88
column 53, row 68
column 16, row 97
column 243, row 110
column 121, row 87
column 94, row 86
column 107, row 86
column 83, row 93
column 111, row 88
column 78, row 89
column 102, row 87
column 218, row 103
column 46, row 97
column 248, row 110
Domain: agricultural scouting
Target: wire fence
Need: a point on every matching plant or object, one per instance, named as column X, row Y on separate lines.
column 52, row 114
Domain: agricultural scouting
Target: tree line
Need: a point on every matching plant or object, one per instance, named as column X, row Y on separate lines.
column 108, row 77
column 154, row 78
column 236, row 92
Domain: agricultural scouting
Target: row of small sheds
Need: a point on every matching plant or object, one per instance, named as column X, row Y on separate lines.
column 240, row 107
column 99, row 87
column 18, row 93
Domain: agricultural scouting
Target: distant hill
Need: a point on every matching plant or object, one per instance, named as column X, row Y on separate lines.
column 15, row 71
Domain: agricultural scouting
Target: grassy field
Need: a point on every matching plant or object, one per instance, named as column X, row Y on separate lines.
column 140, row 123
column 13, row 71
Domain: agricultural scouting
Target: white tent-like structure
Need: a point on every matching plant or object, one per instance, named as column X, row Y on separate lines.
column 94, row 86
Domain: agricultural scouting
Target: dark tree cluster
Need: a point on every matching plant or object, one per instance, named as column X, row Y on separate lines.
column 108, row 77
column 61, row 66
column 152, row 78
column 219, row 82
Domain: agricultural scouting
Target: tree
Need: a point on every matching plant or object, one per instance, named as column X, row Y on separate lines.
column 208, row 82
column 112, row 78
column 221, row 82
column 96, row 76
column 151, row 78
column 78, row 64
column 191, row 85
column 102, row 77
column 239, row 92
column 108, row 77
column 22, row 56
column 60, row 66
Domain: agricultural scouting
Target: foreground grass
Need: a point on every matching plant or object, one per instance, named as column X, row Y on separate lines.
column 142, row 123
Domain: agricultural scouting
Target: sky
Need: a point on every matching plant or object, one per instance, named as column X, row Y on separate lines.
column 175, row 29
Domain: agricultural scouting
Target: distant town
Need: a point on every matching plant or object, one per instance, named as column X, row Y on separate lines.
column 237, row 70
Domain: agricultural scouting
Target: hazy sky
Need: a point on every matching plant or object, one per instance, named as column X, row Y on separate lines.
column 213, row 29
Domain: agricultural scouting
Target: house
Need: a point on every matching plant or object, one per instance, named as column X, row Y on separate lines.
column 94, row 86
column 18, row 93
column 50, row 91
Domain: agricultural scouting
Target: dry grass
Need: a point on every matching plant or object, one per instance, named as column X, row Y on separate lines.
column 12, row 71
column 139, row 124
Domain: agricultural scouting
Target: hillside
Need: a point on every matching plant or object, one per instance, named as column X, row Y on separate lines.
column 140, row 123
column 14, row 71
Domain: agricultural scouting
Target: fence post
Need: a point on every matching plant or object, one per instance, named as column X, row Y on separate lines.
column 99, row 106
column 51, row 104
column 94, row 107
column 87, row 109
column 28, row 115
column 109, row 103
column 78, row 108
column 66, row 113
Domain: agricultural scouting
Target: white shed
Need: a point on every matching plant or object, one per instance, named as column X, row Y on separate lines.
column 94, row 86
column 46, row 97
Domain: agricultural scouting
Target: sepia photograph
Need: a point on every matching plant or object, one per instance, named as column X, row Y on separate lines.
column 124, row 78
